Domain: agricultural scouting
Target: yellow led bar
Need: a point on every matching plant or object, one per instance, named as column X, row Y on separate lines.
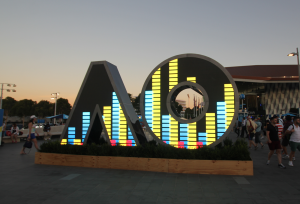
column 63, row 142
column 156, row 88
column 173, row 132
column 191, row 79
column 173, row 73
column 107, row 119
column 229, row 100
column 122, row 127
column 192, row 135
column 210, row 128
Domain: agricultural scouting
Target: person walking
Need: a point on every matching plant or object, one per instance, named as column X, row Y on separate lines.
column 251, row 127
column 258, row 132
column 14, row 133
column 243, row 127
column 273, row 142
column 47, row 129
column 31, row 133
column 295, row 139
column 285, row 136
column 237, row 127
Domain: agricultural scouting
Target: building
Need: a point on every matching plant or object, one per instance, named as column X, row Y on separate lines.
column 268, row 89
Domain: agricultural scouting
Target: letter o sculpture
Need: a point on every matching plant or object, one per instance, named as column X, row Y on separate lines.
column 205, row 76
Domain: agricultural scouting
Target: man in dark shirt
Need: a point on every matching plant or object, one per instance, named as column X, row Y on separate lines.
column 274, row 142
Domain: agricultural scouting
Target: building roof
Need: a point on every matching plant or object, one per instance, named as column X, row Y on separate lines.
column 265, row 73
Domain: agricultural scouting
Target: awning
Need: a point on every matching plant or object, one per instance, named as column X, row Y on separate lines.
column 290, row 114
column 63, row 116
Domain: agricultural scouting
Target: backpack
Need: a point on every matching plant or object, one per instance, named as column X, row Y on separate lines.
column 250, row 128
column 288, row 136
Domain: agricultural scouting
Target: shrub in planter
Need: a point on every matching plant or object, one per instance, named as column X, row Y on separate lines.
column 223, row 151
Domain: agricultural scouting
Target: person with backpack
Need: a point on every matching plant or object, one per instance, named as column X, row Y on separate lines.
column 31, row 133
column 294, row 130
column 251, row 127
column 285, row 136
column 274, row 142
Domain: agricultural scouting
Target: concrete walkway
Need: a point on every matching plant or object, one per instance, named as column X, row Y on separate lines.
column 22, row 181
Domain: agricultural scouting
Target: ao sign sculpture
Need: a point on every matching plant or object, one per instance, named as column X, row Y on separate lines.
column 103, row 105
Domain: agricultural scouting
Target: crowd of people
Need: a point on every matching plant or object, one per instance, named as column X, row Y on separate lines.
column 280, row 133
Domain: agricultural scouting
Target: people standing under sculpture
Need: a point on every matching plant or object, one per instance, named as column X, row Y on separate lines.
column 251, row 127
column 14, row 133
column 258, row 132
column 243, row 127
column 31, row 133
column 295, row 139
column 273, row 142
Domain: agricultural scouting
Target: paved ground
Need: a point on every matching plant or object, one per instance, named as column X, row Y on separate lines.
column 22, row 181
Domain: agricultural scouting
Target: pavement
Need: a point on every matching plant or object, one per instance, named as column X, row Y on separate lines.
column 22, row 181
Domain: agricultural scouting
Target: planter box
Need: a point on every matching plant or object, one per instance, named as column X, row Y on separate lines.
column 220, row 167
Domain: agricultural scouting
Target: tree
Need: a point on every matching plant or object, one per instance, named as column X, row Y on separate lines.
column 178, row 107
column 63, row 106
column 44, row 108
column 130, row 97
column 7, row 104
column 136, row 104
column 24, row 108
column 188, row 113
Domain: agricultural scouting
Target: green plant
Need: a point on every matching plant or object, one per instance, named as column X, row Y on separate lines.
column 230, row 151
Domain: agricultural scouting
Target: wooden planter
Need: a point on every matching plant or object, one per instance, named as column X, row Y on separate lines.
column 220, row 167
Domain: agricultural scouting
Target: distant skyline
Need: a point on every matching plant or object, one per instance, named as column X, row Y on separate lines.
column 47, row 46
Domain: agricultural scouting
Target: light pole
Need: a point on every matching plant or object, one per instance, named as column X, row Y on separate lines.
column 8, row 90
column 291, row 55
column 55, row 96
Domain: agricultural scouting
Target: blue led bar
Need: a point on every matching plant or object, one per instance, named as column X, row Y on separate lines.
column 221, row 119
column 86, row 120
column 71, row 135
column 149, row 108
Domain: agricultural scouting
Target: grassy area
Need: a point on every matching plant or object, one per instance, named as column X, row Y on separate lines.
column 223, row 151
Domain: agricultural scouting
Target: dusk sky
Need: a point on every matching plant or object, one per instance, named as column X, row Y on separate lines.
column 47, row 46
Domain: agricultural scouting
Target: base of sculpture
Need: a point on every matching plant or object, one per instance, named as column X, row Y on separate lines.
column 218, row 167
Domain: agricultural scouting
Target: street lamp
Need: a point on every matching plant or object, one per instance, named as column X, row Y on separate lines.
column 8, row 90
column 55, row 96
column 294, row 54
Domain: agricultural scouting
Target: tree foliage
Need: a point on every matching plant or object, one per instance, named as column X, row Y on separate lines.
column 178, row 107
column 63, row 106
column 27, row 107
column 136, row 104
column 44, row 108
column 7, row 104
column 24, row 108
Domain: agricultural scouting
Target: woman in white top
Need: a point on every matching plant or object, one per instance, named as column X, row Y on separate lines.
column 31, row 133
column 14, row 132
